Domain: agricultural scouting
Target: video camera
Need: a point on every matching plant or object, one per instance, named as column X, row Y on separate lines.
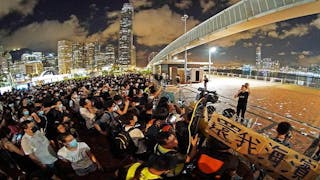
column 210, row 96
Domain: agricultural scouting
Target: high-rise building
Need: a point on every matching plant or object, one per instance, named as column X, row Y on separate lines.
column 125, row 35
column 151, row 56
column 1, row 51
column 133, row 57
column 110, row 55
column 50, row 62
column 89, row 51
column 268, row 64
column 77, row 55
column 34, row 68
column 258, row 58
column 34, row 56
column 99, row 57
column 64, row 56
column 5, row 61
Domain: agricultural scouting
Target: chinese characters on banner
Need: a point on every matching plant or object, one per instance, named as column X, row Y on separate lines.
column 277, row 159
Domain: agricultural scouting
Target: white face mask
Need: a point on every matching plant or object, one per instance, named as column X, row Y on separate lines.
column 119, row 103
column 115, row 108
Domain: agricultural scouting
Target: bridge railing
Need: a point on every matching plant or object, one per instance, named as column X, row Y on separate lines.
column 240, row 12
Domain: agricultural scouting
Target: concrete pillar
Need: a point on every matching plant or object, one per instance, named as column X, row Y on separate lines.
column 154, row 69
column 173, row 74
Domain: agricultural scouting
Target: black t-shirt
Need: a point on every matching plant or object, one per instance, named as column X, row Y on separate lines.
column 243, row 98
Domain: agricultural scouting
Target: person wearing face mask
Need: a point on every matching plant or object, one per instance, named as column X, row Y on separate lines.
column 26, row 116
column 118, row 110
column 88, row 112
column 38, row 148
column 78, row 154
column 108, row 124
column 56, row 112
column 74, row 102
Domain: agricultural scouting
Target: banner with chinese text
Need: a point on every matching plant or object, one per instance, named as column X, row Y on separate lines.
column 276, row 159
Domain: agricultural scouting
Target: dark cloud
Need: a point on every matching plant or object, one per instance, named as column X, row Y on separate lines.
column 45, row 35
column 23, row 7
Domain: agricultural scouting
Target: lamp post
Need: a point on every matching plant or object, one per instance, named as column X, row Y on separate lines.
column 211, row 50
column 184, row 19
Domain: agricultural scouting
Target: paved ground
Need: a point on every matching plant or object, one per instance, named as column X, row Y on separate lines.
column 269, row 104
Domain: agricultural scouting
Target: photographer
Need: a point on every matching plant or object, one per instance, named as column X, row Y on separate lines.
column 205, row 82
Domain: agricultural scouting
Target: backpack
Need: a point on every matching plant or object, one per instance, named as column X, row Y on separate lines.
column 123, row 143
column 110, row 124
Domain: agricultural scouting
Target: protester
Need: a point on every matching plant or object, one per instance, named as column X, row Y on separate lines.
column 137, row 136
column 154, row 168
column 242, row 96
column 283, row 133
column 168, row 144
column 78, row 154
column 205, row 82
column 38, row 148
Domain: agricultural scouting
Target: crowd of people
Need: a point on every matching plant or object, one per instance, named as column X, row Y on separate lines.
column 43, row 129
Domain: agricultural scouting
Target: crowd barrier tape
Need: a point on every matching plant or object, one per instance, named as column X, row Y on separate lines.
column 276, row 159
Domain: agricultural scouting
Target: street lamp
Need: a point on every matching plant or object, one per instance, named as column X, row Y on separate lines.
column 184, row 19
column 211, row 50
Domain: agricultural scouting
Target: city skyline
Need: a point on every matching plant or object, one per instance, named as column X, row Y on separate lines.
column 156, row 23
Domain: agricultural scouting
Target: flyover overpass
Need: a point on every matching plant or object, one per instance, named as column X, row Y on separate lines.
column 245, row 15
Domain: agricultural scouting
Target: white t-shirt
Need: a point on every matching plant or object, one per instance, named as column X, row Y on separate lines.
column 40, row 146
column 88, row 117
column 79, row 158
column 137, row 137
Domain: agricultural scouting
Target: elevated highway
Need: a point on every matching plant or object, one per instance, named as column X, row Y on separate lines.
column 245, row 15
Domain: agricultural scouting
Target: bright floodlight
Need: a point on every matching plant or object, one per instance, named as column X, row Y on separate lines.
column 213, row 49
column 175, row 58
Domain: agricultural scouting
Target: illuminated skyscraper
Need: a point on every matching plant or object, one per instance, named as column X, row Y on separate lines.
column 5, row 61
column 125, row 35
column 151, row 56
column 89, row 51
column 110, row 55
column 258, row 58
column 99, row 57
column 1, row 51
column 34, row 68
column 77, row 55
column 64, row 56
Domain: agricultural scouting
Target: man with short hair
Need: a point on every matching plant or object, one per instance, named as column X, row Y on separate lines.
column 205, row 82
column 156, row 166
column 283, row 134
column 78, row 154
column 242, row 96
column 168, row 144
column 38, row 148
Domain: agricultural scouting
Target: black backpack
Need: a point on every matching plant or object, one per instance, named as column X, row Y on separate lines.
column 123, row 143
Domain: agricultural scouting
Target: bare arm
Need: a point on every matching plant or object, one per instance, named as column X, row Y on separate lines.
column 126, row 106
column 94, row 159
column 12, row 148
column 193, row 151
column 98, row 128
column 236, row 95
column 158, row 92
column 36, row 117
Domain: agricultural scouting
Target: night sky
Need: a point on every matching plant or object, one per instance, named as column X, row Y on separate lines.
column 39, row 24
